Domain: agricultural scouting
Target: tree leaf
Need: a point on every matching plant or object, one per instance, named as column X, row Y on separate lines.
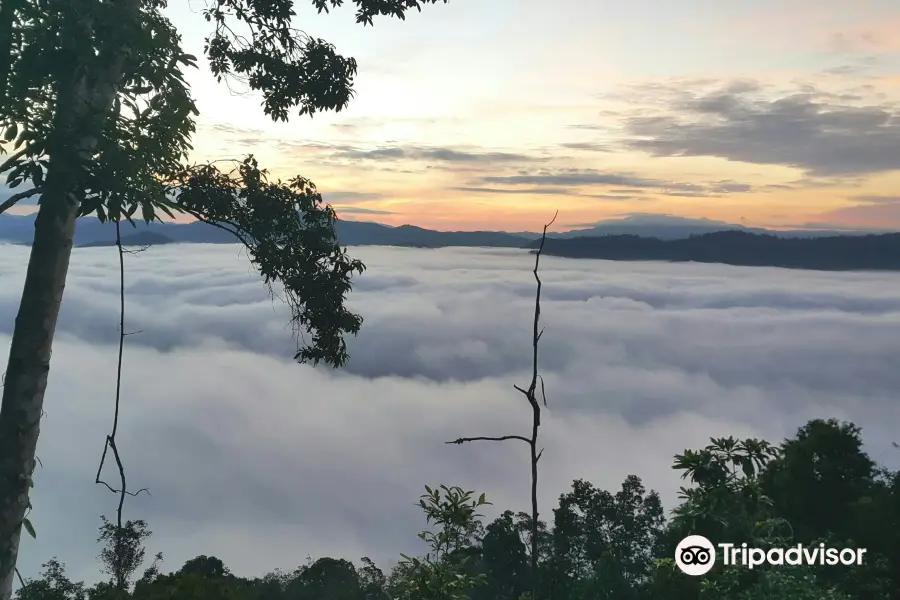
column 29, row 528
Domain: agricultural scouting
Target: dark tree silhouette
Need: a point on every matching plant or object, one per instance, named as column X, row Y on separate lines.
column 532, row 398
column 98, row 117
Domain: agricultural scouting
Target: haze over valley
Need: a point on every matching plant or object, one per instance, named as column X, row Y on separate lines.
column 267, row 461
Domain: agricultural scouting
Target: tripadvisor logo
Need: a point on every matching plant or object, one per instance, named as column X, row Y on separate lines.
column 696, row 555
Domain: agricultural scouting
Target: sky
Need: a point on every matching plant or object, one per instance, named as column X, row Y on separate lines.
column 492, row 115
column 263, row 462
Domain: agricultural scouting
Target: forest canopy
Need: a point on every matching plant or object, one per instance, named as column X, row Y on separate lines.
column 818, row 486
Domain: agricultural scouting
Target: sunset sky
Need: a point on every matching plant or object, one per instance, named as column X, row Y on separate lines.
column 493, row 114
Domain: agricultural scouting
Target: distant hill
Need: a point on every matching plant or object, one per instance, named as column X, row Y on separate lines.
column 834, row 253
column 91, row 232
column 635, row 237
column 663, row 227
column 668, row 227
column 141, row 238
column 360, row 233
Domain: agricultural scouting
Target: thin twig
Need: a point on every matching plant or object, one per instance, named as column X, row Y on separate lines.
column 110, row 442
column 197, row 215
column 531, row 395
column 490, row 439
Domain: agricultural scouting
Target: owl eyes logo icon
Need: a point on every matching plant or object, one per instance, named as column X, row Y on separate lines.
column 695, row 555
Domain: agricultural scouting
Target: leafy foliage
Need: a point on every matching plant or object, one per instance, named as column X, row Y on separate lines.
column 727, row 497
column 52, row 585
column 602, row 545
column 96, row 116
column 440, row 574
column 289, row 67
column 136, row 164
column 289, row 234
column 123, row 551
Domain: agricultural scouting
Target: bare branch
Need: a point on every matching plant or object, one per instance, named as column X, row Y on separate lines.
column 203, row 219
column 490, row 439
column 530, row 395
column 110, row 443
column 536, row 337
column 12, row 200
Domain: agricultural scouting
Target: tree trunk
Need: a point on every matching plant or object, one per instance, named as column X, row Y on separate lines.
column 82, row 107
column 27, row 369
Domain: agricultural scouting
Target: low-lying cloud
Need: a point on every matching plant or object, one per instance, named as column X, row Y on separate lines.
column 262, row 462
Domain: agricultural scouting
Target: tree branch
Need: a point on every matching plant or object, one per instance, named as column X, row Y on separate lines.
column 197, row 215
column 490, row 439
column 110, row 442
column 530, row 395
column 12, row 200
column 9, row 162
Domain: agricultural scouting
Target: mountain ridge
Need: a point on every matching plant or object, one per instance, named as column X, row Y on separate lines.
column 19, row 230
column 675, row 240
column 869, row 252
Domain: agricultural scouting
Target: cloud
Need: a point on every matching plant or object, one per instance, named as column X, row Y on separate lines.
column 237, row 136
column 593, row 177
column 352, row 153
column 869, row 199
column 870, row 212
column 421, row 153
column 616, row 197
column 576, row 177
column 874, row 37
column 589, row 146
column 410, row 159
column 333, row 197
column 551, row 191
column 861, row 41
column 365, row 125
column 853, row 68
column 358, row 210
column 805, row 129
column 233, row 130
column 261, row 461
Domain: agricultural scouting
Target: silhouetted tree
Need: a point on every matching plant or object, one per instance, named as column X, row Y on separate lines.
column 205, row 566
column 601, row 545
column 98, row 117
column 123, row 551
column 53, row 584
column 504, row 560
